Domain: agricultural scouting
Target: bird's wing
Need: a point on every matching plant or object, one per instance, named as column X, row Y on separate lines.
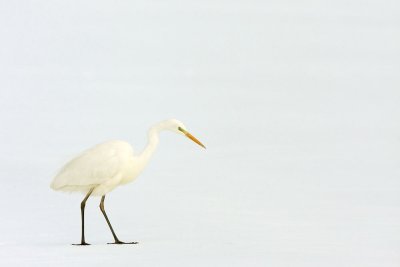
column 93, row 167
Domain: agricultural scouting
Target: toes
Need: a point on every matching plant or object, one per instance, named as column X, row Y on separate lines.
column 81, row 244
column 122, row 243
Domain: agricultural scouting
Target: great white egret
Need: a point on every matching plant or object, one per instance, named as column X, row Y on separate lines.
column 98, row 170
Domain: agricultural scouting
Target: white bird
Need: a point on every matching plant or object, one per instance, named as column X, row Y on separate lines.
column 98, row 170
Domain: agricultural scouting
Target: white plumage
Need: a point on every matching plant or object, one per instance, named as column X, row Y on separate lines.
column 100, row 169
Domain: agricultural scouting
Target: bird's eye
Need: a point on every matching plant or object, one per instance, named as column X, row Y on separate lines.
column 181, row 129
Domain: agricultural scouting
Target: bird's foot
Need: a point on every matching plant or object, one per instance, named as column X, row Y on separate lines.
column 121, row 243
column 82, row 244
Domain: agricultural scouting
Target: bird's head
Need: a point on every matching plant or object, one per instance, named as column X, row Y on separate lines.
column 179, row 128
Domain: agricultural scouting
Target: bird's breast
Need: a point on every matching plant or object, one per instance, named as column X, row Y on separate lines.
column 131, row 171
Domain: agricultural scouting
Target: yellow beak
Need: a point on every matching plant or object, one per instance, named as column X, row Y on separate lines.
column 194, row 139
column 191, row 137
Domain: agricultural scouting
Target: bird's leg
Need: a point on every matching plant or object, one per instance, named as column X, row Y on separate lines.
column 83, row 204
column 117, row 241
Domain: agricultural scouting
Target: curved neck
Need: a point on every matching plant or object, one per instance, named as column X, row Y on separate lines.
column 151, row 144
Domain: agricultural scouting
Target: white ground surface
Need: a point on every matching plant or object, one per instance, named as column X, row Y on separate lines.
column 297, row 102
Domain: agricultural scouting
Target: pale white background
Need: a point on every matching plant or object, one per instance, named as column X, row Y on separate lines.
column 297, row 102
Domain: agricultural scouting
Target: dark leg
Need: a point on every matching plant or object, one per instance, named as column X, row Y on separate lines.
column 83, row 204
column 117, row 241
